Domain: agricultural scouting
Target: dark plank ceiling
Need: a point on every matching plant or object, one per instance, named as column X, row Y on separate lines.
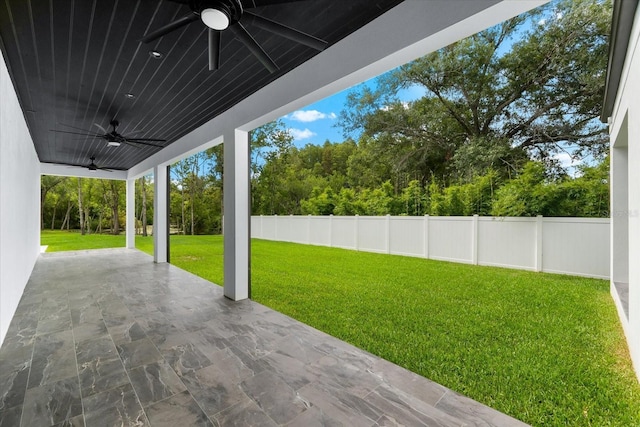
column 73, row 62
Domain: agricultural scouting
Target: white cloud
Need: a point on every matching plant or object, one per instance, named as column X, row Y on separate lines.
column 300, row 134
column 307, row 116
column 566, row 160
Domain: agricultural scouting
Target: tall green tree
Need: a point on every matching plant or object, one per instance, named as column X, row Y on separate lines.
column 530, row 87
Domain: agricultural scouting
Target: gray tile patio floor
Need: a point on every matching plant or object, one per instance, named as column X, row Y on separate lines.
column 108, row 338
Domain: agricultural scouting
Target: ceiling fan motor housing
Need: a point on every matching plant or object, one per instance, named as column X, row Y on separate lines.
column 231, row 8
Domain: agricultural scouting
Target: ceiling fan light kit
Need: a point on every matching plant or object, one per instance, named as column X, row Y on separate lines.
column 215, row 19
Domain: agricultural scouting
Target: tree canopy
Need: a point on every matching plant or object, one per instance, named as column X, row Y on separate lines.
column 529, row 88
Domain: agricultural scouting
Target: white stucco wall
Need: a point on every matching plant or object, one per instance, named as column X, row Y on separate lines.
column 19, row 202
column 625, row 130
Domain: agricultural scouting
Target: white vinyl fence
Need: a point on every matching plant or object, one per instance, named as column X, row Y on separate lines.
column 578, row 246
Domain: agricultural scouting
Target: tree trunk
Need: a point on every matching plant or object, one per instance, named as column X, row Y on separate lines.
column 99, row 226
column 53, row 217
column 87, row 220
column 184, row 228
column 115, row 200
column 65, row 221
column 80, row 207
column 192, row 219
column 144, row 207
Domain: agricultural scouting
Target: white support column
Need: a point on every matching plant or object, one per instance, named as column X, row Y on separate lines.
column 237, row 244
column 131, row 214
column 160, row 214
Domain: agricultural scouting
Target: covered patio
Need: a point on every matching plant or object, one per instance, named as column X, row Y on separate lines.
column 114, row 335
column 150, row 344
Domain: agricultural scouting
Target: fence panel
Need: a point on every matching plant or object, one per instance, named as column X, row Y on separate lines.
column 269, row 227
column 343, row 232
column 296, row 229
column 372, row 233
column 320, row 230
column 576, row 246
column 256, row 226
column 507, row 242
column 406, row 235
column 450, row 238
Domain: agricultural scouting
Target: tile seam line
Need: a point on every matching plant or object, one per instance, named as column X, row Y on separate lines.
column 135, row 393
column 75, row 355
column 31, row 359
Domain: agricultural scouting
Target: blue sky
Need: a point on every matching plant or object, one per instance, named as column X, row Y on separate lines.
column 316, row 123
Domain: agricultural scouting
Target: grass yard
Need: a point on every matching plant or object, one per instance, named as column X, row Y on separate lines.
column 72, row 240
column 546, row 349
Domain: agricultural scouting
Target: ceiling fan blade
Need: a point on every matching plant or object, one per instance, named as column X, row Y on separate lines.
column 103, row 169
column 214, row 49
column 145, row 142
column 72, row 165
column 131, row 144
column 253, row 46
column 96, row 135
column 145, row 139
column 181, row 22
column 100, row 127
column 73, row 127
column 286, row 32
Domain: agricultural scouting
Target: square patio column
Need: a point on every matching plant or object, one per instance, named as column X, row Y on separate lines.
column 131, row 214
column 237, row 211
column 160, row 214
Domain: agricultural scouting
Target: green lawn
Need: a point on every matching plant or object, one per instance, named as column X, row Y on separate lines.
column 547, row 349
column 73, row 240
